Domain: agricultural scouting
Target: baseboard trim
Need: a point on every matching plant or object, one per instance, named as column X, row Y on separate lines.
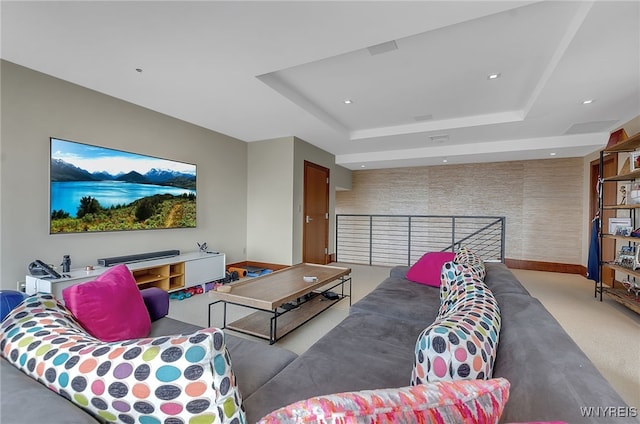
column 266, row 265
column 546, row 266
column 511, row 263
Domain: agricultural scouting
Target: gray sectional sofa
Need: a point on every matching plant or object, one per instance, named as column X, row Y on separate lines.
column 373, row 347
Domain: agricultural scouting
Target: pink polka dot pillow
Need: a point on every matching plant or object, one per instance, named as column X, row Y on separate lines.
column 443, row 402
column 182, row 378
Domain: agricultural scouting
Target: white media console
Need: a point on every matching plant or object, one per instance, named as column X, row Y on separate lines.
column 169, row 274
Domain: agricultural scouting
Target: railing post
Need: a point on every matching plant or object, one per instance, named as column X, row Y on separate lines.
column 336, row 238
column 409, row 244
column 502, row 238
column 453, row 233
column 370, row 239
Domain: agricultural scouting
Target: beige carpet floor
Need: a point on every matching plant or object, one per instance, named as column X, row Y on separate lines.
column 606, row 331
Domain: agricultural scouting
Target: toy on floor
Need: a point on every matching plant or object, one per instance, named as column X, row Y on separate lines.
column 186, row 293
column 259, row 273
column 178, row 295
column 195, row 290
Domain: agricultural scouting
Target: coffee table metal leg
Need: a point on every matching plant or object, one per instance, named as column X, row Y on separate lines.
column 210, row 307
column 343, row 281
column 224, row 312
column 224, row 315
column 273, row 329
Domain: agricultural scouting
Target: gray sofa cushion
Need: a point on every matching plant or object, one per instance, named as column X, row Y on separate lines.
column 536, row 354
column 399, row 271
column 253, row 362
column 167, row 326
column 501, row 280
column 364, row 351
column 398, row 298
column 24, row 400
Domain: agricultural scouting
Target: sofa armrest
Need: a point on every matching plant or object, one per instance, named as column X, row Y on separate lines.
column 399, row 271
column 157, row 302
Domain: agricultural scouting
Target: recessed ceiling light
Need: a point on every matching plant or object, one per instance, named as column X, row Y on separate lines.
column 588, row 101
column 444, row 160
column 494, row 76
column 363, row 166
column 552, row 154
column 347, row 102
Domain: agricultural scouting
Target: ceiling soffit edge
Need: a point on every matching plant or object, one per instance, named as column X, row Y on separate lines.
column 577, row 141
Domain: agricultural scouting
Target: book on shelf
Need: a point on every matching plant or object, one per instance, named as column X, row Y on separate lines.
column 616, row 137
column 635, row 161
column 633, row 194
column 620, row 226
column 625, row 256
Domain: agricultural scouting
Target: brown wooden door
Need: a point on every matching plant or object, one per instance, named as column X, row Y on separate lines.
column 315, row 233
column 610, row 197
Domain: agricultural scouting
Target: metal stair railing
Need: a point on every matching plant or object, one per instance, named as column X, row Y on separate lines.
column 402, row 239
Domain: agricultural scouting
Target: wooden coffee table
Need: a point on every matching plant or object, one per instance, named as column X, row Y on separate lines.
column 267, row 294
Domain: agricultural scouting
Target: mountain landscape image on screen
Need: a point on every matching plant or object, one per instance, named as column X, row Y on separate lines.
column 99, row 189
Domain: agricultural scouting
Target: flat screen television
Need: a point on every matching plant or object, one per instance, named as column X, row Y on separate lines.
column 95, row 189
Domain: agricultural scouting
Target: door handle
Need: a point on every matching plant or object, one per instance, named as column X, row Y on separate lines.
column 309, row 219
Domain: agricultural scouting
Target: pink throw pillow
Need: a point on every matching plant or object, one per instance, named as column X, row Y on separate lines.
column 111, row 307
column 427, row 269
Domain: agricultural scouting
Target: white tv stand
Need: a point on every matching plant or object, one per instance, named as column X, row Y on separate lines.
column 169, row 274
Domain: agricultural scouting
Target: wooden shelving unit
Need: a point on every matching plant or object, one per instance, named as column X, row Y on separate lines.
column 623, row 238
column 623, row 269
column 176, row 276
column 629, row 145
column 625, row 177
column 166, row 277
column 621, row 296
column 611, row 207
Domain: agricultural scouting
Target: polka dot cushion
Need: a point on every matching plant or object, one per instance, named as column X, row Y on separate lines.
column 462, row 342
column 465, row 262
column 470, row 258
column 467, row 256
column 171, row 380
column 457, row 281
column 442, row 402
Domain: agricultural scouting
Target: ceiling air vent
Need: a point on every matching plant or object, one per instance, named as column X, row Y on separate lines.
column 389, row 46
column 439, row 138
